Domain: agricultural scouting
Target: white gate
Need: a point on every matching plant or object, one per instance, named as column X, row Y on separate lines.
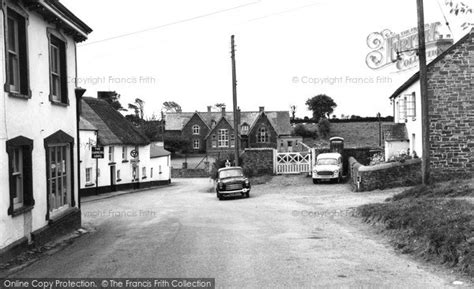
column 293, row 163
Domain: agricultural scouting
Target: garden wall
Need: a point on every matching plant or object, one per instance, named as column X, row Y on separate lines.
column 258, row 161
column 189, row 173
column 384, row 176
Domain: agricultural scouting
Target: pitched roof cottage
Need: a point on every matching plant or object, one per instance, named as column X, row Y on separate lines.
column 131, row 160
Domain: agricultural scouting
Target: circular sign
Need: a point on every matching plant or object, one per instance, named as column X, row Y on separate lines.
column 134, row 153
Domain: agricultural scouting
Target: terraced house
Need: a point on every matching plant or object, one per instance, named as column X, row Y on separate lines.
column 131, row 160
column 213, row 132
column 38, row 122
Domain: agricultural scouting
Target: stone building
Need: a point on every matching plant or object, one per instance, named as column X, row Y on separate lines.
column 214, row 133
column 451, row 111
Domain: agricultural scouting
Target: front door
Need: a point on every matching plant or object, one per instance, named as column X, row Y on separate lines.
column 113, row 178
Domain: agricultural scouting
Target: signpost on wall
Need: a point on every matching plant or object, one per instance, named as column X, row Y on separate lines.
column 97, row 153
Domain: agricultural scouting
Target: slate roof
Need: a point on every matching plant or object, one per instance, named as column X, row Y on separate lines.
column 414, row 78
column 395, row 132
column 157, row 151
column 280, row 120
column 114, row 128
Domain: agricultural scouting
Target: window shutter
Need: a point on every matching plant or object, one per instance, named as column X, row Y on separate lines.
column 24, row 82
column 64, row 96
column 28, row 196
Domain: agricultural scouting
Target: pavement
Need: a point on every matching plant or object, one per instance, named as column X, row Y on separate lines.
column 288, row 234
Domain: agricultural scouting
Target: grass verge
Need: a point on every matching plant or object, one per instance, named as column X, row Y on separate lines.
column 437, row 229
column 452, row 189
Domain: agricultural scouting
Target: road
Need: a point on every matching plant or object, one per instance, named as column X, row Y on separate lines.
column 288, row 234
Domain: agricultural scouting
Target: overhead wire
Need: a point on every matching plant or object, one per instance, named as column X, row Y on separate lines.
column 171, row 23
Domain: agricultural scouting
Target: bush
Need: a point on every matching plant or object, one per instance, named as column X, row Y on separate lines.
column 324, row 127
column 176, row 144
column 303, row 131
column 376, row 159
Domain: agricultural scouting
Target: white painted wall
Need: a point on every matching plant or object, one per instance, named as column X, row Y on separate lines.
column 125, row 166
column 413, row 125
column 35, row 118
column 393, row 148
column 161, row 168
column 88, row 140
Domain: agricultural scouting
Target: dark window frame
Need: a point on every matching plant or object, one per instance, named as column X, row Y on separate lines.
column 19, row 15
column 26, row 146
column 56, row 40
column 60, row 137
column 263, row 135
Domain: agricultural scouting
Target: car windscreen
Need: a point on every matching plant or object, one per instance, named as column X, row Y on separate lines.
column 327, row 162
column 230, row 174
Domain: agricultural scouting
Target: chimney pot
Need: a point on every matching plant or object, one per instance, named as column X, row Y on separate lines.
column 209, row 108
column 261, row 108
column 223, row 111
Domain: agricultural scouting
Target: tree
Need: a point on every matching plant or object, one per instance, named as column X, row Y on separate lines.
column 138, row 107
column 219, row 106
column 321, row 105
column 176, row 144
column 324, row 127
column 293, row 111
column 459, row 8
column 171, row 106
column 303, row 131
column 113, row 98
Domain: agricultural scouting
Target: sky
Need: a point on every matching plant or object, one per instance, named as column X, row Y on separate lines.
column 286, row 51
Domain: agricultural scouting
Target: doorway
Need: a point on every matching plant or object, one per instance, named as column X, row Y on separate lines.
column 113, row 179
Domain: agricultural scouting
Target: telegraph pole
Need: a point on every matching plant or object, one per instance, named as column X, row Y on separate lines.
column 234, row 95
column 425, row 122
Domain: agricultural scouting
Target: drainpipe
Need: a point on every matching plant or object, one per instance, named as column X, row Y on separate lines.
column 79, row 93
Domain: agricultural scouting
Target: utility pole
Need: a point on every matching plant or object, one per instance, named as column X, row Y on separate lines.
column 425, row 122
column 234, row 94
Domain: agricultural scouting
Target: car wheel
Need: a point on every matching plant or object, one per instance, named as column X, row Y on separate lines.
column 219, row 196
column 315, row 181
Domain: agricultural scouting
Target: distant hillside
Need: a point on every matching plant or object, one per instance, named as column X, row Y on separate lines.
column 355, row 134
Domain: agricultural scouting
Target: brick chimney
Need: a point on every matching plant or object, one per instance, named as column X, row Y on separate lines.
column 443, row 44
column 238, row 115
column 261, row 108
column 223, row 111
column 209, row 108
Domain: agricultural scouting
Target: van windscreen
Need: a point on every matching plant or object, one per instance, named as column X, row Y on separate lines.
column 327, row 162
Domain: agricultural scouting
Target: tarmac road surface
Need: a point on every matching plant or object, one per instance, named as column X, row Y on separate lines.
column 288, row 234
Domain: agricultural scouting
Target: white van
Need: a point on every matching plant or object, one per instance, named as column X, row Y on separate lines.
column 328, row 167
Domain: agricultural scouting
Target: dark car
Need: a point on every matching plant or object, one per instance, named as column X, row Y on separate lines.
column 232, row 182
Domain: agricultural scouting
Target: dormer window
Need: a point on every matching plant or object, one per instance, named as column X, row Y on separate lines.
column 196, row 129
column 245, row 129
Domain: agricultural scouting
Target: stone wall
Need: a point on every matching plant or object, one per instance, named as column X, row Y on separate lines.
column 257, row 162
column 189, row 173
column 384, row 176
column 451, row 110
